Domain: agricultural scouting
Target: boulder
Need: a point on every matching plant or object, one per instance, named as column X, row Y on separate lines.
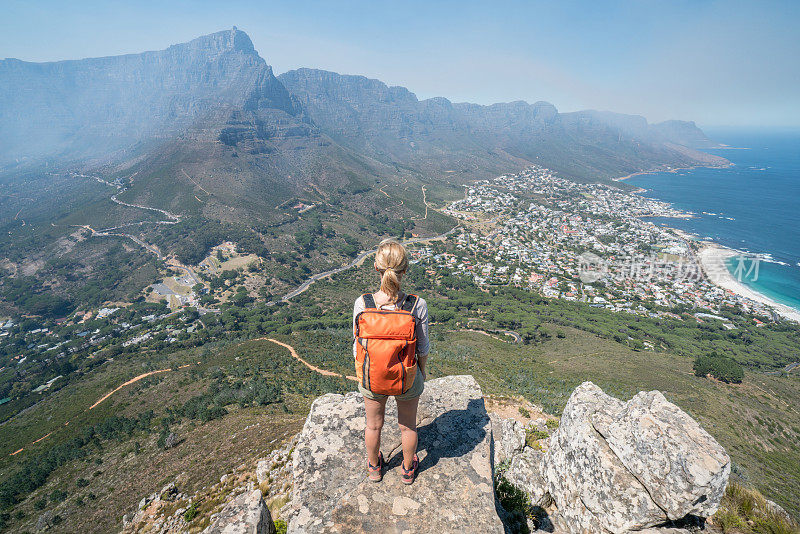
column 508, row 438
column 168, row 492
column 616, row 466
column 453, row 492
column 525, row 473
column 246, row 514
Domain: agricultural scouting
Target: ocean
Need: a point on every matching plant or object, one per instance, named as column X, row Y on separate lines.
column 752, row 206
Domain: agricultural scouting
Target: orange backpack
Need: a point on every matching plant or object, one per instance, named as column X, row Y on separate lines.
column 386, row 359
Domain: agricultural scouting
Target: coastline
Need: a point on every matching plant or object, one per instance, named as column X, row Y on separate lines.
column 672, row 170
column 713, row 257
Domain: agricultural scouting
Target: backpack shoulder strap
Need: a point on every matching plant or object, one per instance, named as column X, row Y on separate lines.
column 369, row 301
column 409, row 303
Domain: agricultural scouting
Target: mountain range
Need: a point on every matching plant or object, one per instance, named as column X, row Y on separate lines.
column 202, row 101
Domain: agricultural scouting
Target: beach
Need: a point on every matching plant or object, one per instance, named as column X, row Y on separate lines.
column 713, row 259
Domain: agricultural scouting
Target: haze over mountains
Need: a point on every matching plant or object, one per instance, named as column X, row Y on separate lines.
column 216, row 90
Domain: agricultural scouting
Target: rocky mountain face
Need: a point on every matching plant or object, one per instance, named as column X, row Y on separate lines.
column 392, row 125
column 609, row 466
column 204, row 129
column 90, row 107
column 684, row 133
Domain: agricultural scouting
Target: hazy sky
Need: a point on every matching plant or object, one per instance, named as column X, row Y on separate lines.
column 716, row 62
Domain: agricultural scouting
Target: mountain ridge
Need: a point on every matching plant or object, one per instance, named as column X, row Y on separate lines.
column 390, row 122
column 92, row 108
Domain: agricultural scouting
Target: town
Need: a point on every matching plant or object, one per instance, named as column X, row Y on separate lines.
column 584, row 242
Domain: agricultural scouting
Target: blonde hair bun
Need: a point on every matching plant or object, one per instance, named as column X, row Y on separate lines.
column 391, row 260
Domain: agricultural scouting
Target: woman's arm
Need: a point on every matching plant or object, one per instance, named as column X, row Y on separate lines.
column 421, row 361
column 423, row 341
column 358, row 307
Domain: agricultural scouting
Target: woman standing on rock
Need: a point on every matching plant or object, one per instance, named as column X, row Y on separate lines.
column 391, row 348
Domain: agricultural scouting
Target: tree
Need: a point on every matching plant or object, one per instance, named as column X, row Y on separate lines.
column 720, row 367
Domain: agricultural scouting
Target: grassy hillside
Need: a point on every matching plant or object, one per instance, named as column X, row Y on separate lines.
column 756, row 421
column 208, row 405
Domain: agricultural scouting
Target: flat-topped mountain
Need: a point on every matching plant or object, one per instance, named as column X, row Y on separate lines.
column 90, row 107
column 206, row 132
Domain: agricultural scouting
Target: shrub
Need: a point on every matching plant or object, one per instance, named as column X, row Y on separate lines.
column 190, row 512
column 280, row 526
column 746, row 511
column 524, row 412
column 720, row 367
column 533, row 435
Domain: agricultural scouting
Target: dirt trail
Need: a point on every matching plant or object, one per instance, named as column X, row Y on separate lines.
column 128, row 383
column 297, row 357
column 195, row 183
column 425, row 201
column 106, row 396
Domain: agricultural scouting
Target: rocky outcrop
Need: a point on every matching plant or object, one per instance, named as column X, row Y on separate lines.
column 508, row 438
column 617, row 466
column 609, row 467
column 454, row 491
column 246, row 514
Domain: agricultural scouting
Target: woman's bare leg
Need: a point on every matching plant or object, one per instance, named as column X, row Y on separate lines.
column 372, row 433
column 407, row 419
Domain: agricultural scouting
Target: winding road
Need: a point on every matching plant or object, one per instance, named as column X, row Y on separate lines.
column 357, row 261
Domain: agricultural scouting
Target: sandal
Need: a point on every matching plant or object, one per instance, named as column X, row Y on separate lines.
column 410, row 474
column 376, row 473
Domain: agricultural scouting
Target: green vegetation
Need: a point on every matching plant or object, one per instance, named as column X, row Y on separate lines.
column 719, row 367
column 231, row 381
column 516, row 504
column 532, row 437
column 232, row 385
column 35, row 471
column 745, row 510
column 191, row 512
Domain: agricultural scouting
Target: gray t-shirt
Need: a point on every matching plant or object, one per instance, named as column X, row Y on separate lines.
column 420, row 313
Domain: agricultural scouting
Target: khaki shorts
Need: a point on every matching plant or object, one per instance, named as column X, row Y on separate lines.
column 416, row 390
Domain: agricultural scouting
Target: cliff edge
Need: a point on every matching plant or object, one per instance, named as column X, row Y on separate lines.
column 608, row 466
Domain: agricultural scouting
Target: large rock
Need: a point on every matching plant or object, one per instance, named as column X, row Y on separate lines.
column 525, row 473
column 508, row 438
column 453, row 493
column 619, row 466
column 246, row 514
